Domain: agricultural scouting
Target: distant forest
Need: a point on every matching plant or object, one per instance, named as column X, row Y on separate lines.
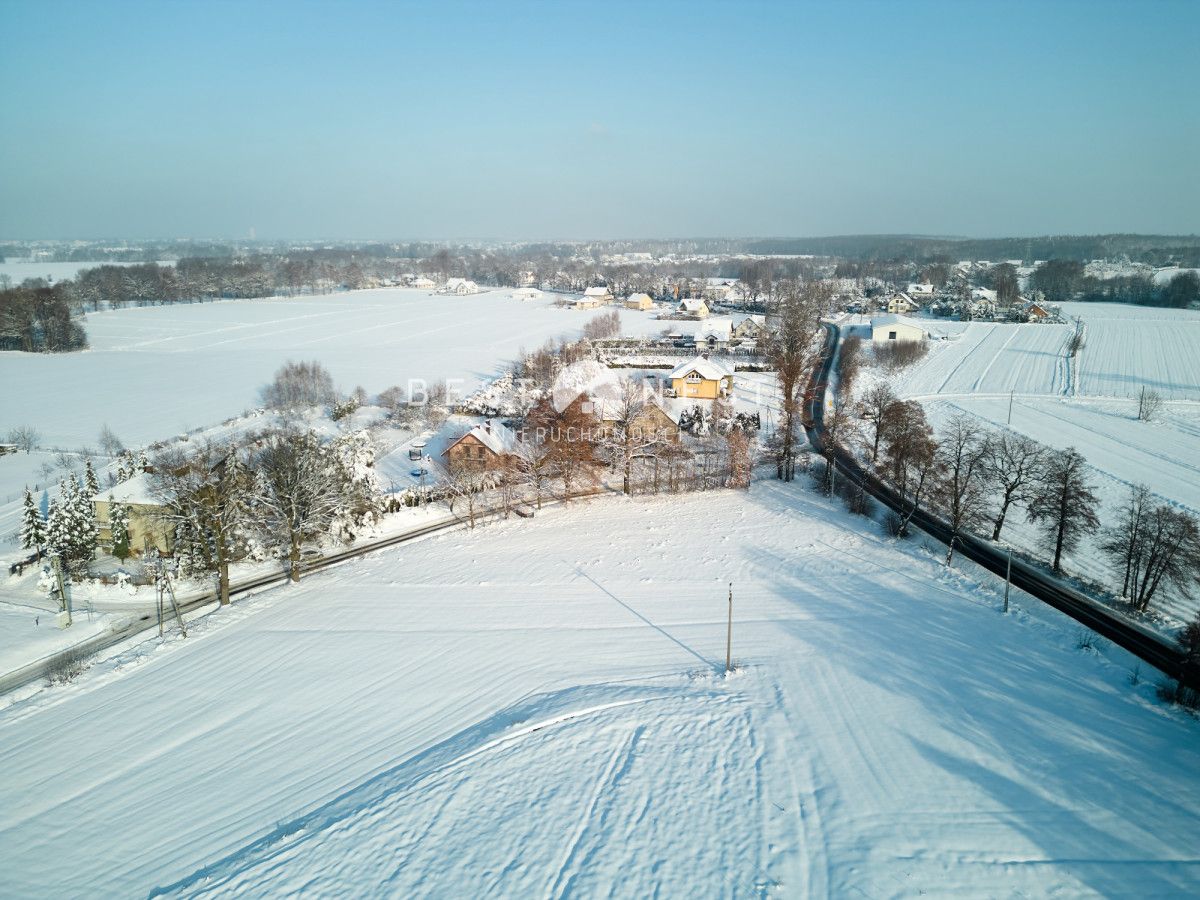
column 40, row 316
column 1153, row 249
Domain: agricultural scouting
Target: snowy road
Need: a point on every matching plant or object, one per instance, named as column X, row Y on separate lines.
column 532, row 710
column 1090, row 404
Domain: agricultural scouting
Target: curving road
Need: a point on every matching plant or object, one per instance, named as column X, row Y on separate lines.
column 1142, row 642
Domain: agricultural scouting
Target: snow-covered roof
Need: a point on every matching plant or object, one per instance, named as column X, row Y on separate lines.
column 138, row 490
column 609, row 408
column 895, row 319
column 637, row 298
column 691, row 304
column 719, row 328
column 496, row 436
column 526, row 293
column 923, row 288
column 708, row 369
column 596, row 292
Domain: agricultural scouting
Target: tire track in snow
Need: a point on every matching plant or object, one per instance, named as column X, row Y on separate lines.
column 191, row 335
column 991, row 362
column 622, row 754
column 416, row 773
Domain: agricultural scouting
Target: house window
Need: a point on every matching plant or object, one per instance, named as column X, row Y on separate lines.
column 891, row 335
column 694, row 379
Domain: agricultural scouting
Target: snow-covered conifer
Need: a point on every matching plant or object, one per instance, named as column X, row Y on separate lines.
column 89, row 479
column 118, row 524
column 33, row 527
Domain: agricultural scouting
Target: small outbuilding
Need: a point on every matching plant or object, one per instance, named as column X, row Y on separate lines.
column 896, row 328
column 639, row 301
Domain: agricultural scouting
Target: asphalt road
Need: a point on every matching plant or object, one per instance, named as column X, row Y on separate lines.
column 1144, row 643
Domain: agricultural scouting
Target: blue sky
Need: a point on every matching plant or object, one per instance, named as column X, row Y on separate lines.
column 594, row 120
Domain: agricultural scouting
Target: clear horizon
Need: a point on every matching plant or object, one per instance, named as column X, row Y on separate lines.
column 522, row 122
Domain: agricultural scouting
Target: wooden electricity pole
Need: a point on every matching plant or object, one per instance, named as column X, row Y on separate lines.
column 1007, row 579
column 729, row 634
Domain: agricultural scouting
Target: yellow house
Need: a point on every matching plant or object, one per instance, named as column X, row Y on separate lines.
column 639, row 301
column 146, row 530
column 703, row 379
column 694, row 307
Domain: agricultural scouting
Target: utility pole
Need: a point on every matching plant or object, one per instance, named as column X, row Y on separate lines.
column 64, row 598
column 1010, row 403
column 1007, row 580
column 729, row 634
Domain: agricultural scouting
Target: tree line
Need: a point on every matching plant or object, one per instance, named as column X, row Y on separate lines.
column 974, row 478
column 36, row 317
column 1062, row 280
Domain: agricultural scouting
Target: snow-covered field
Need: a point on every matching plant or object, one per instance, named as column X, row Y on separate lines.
column 153, row 372
column 990, row 358
column 1089, row 404
column 534, row 709
column 19, row 269
column 1131, row 346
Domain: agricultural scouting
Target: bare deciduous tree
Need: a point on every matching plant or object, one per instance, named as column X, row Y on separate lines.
column 626, row 434
column 959, row 485
column 300, row 489
column 109, row 442
column 1149, row 405
column 205, row 493
column 466, row 486
column 299, row 385
column 1064, row 503
column 24, row 437
column 841, row 430
column 1014, row 465
column 602, row 326
column 874, row 410
column 741, row 463
column 790, row 348
column 530, row 465
column 911, row 452
column 1155, row 547
column 849, row 363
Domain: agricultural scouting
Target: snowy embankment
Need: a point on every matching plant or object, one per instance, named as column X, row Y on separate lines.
column 1089, row 403
column 527, row 709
